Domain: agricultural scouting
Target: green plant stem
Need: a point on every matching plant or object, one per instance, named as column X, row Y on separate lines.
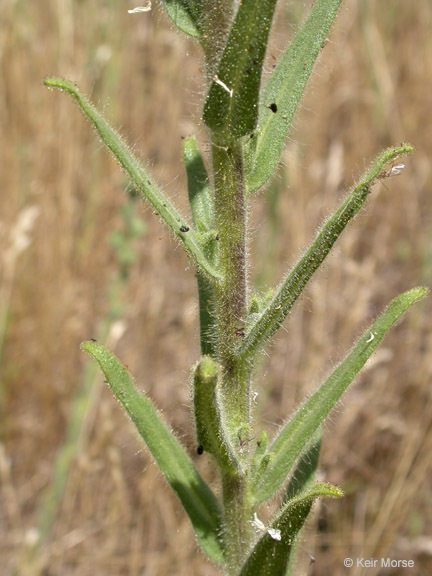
column 231, row 292
column 238, row 513
column 231, row 298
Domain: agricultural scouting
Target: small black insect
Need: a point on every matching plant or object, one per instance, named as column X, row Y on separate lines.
column 93, row 339
column 273, row 107
column 200, row 450
column 240, row 333
column 217, row 237
column 184, row 228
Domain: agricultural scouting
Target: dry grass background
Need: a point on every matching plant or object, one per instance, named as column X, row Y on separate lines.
column 372, row 88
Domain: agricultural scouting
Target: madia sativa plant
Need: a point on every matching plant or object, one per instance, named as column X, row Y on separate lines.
column 247, row 125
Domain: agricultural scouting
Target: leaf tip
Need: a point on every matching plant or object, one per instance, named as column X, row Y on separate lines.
column 422, row 291
column 61, row 84
column 49, row 81
column 416, row 294
column 332, row 491
column 406, row 148
column 85, row 345
column 321, row 490
column 90, row 347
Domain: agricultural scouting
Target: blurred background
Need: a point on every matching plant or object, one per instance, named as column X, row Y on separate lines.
column 81, row 258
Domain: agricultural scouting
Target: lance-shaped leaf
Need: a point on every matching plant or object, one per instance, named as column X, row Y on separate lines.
column 263, row 325
column 271, row 554
column 293, row 437
column 144, row 183
column 231, row 108
column 209, row 419
column 201, row 202
column 284, row 89
column 196, row 496
column 186, row 15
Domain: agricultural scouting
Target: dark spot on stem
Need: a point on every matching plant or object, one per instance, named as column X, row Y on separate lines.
column 200, row 450
column 273, row 107
column 184, row 228
column 93, row 339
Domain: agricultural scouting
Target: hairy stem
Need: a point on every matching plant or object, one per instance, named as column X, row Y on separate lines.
column 238, row 513
column 231, row 298
column 231, row 292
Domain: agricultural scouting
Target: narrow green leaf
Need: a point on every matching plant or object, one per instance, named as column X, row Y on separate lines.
column 271, row 554
column 197, row 498
column 201, row 202
column 231, row 108
column 211, row 435
column 263, row 325
column 144, row 183
column 186, row 15
column 284, row 89
column 293, row 437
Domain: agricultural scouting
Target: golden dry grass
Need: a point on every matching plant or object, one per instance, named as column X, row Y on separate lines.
column 372, row 89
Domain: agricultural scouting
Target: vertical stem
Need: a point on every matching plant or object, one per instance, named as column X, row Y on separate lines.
column 231, row 302
column 231, row 292
column 238, row 512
